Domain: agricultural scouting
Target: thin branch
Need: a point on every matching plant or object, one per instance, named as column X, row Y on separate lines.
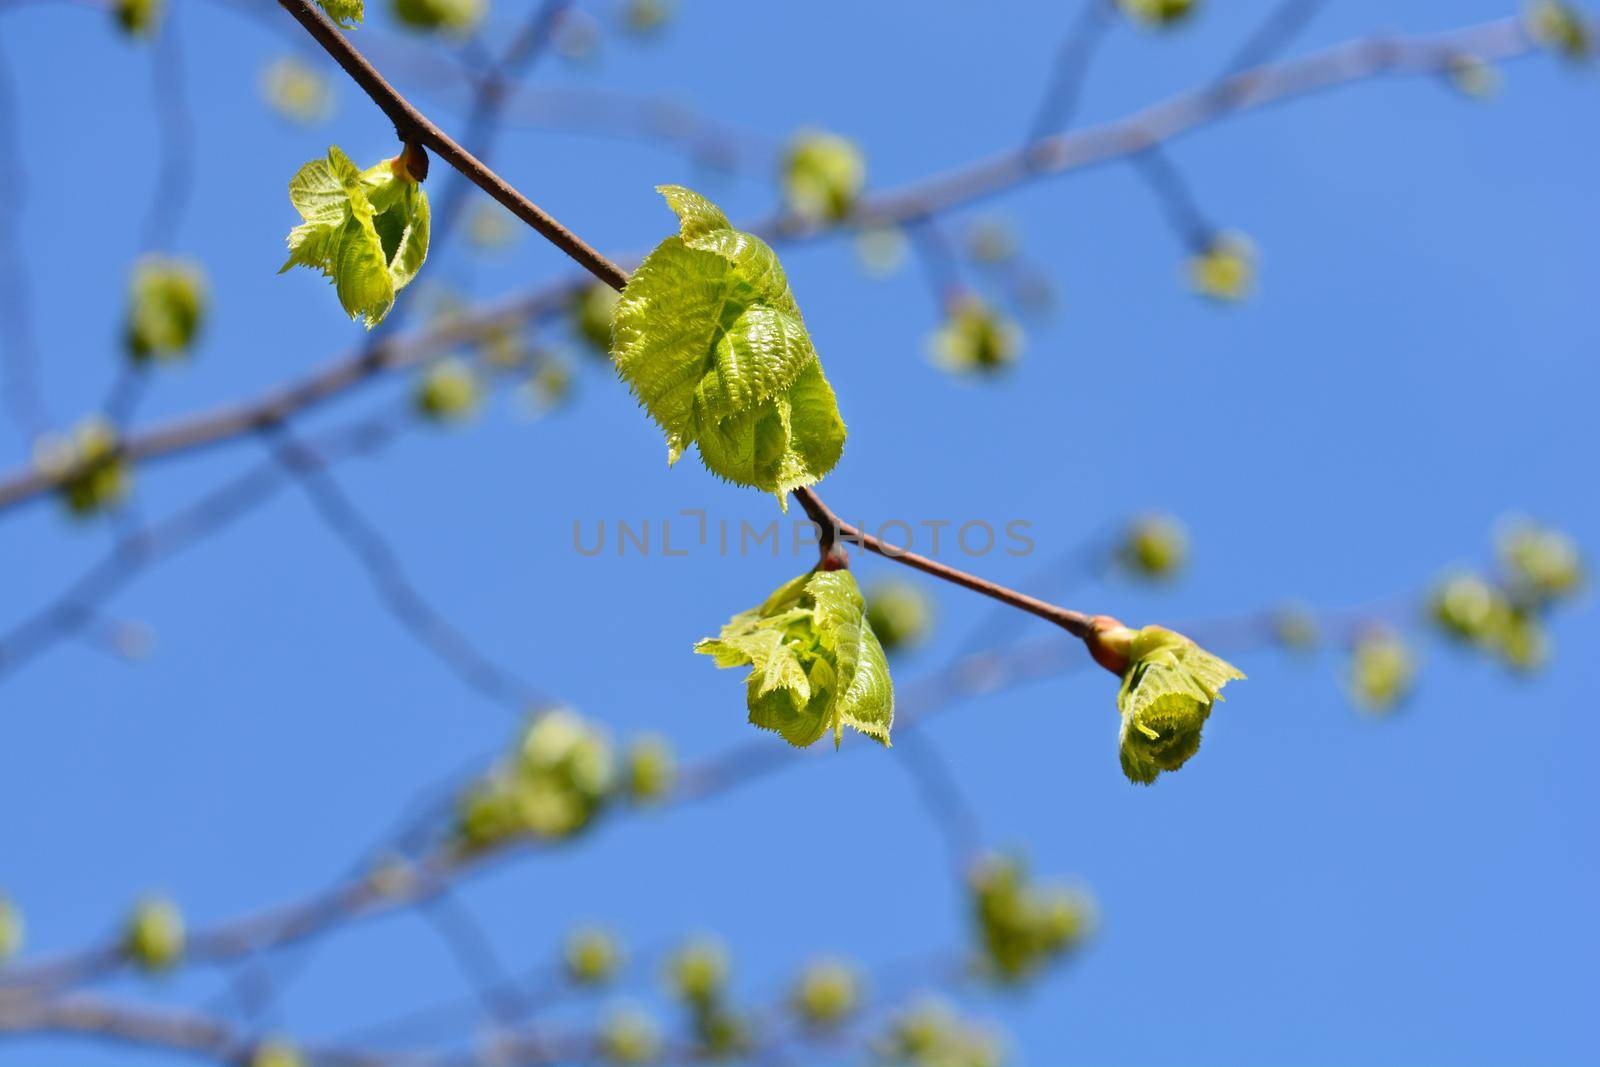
column 1071, row 71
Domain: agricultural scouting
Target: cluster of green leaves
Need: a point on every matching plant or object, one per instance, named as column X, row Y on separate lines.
column 822, row 176
column 931, row 1034
column 1159, row 13
column 816, row 665
column 154, row 936
column 89, row 470
column 344, row 13
column 1155, row 547
column 367, row 231
column 1023, row 927
column 976, row 338
column 297, row 91
column 698, row 977
column 440, row 16
column 166, row 308
column 826, row 994
column 1562, row 27
column 709, row 338
column 1169, row 684
column 900, row 613
column 138, row 18
column 1225, row 270
column 559, row 777
column 12, row 929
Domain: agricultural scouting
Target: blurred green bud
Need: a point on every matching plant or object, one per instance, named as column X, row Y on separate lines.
column 166, row 307
column 591, row 316
column 930, row 1034
column 826, row 994
column 137, row 18
column 1468, row 608
column 276, row 1053
column 548, row 387
column 1472, row 77
column 1541, row 564
column 1155, row 546
column 448, row 391
column 823, row 174
column 643, row 18
column 88, row 468
column 297, row 91
column 881, row 250
column 154, row 936
column 1522, row 642
column 900, row 613
column 976, row 338
column 592, row 956
column 12, row 929
column 1560, row 27
column 1294, row 626
column 448, row 16
column 1169, row 684
column 488, row 814
column 559, row 779
column 629, row 1036
column 720, row 1034
column 698, row 972
column 491, row 227
column 1023, row 927
column 1382, row 671
column 651, row 769
column 1225, row 270
column 1158, row 13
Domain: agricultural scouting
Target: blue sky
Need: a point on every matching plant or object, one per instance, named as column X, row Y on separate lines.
column 1314, row 888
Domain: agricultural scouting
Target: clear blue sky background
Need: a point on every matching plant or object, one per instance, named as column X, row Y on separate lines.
column 1314, row 888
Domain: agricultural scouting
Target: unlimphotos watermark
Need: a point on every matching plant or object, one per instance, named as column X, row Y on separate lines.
column 693, row 530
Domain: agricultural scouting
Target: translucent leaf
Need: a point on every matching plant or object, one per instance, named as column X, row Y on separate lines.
column 344, row 13
column 367, row 231
column 1166, row 696
column 166, row 306
column 709, row 338
column 449, row 16
column 816, row 664
column 823, row 175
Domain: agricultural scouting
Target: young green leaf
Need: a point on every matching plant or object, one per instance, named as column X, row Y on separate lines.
column 816, row 664
column 1169, row 684
column 823, row 174
column 366, row 230
column 166, row 307
column 709, row 338
column 346, row 13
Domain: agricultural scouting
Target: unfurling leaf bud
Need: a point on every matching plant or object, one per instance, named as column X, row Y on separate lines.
column 650, row 769
column 698, row 972
column 1023, row 927
column 1542, row 565
column 1169, row 684
column 1382, row 671
column 88, row 468
column 826, row 994
column 823, row 174
column 297, row 91
column 344, row 13
column 592, row 956
column 448, row 391
column 154, row 936
column 1225, row 270
column 440, row 16
column 817, row 665
column 1158, row 13
column 1155, row 547
column 277, row 1053
column 975, row 338
column 12, row 929
column 900, row 613
column 629, row 1036
column 166, row 307
column 1560, row 27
